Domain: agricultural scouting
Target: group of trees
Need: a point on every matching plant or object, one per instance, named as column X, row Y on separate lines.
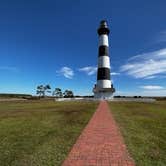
column 41, row 90
column 57, row 92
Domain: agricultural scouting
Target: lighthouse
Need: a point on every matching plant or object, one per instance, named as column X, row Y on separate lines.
column 103, row 89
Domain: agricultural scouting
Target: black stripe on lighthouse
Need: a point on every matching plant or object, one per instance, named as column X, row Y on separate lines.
column 103, row 51
column 103, row 73
column 103, row 30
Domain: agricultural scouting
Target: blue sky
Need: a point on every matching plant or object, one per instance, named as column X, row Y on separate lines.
column 55, row 42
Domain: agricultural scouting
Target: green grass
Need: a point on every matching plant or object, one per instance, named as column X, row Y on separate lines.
column 40, row 133
column 143, row 126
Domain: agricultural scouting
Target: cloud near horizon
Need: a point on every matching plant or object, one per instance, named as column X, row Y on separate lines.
column 148, row 65
column 114, row 73
column 89, row 70
column 66, row 72
column 152, row 87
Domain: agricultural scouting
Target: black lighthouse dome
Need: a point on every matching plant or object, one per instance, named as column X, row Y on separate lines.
column 103, row 28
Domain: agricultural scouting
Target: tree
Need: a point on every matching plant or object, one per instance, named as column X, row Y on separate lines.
column 57, row 92
column 47, row 88
column 41, row 90
column 68, row 93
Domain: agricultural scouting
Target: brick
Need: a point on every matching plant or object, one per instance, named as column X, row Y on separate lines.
column 101, row 143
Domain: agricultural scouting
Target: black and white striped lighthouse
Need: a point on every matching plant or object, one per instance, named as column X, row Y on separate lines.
column 104, row 87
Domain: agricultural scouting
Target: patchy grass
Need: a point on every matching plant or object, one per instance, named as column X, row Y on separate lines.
column 143, row 126
column 34, row 133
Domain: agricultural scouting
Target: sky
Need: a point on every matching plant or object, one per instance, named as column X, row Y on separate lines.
column 55, row 42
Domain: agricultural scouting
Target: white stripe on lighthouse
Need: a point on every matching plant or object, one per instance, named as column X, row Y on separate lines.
column 104, row 83
column 103, row 40
column 103, row 61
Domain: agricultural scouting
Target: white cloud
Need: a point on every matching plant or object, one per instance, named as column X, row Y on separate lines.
column 150, row 77
column 160, row 92
column 114, row 73
column 66, row 72
column 152, row 87
column 146, row 65
column 89, row 70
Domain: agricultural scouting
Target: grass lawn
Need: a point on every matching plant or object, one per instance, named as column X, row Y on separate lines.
column 40, row 133
column 143, row 126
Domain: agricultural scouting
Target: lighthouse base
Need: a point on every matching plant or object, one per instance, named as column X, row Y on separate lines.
column 103, row 93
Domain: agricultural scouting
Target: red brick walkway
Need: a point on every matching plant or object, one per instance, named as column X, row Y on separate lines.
column 100, row 143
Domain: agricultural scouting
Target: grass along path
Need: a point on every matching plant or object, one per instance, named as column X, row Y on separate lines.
column 143, row 126
column 40, row 132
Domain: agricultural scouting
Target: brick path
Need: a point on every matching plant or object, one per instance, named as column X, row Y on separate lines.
column 100, row 143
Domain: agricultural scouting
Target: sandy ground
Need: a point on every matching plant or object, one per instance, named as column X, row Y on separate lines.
column 11, row 99
column 114, row 99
